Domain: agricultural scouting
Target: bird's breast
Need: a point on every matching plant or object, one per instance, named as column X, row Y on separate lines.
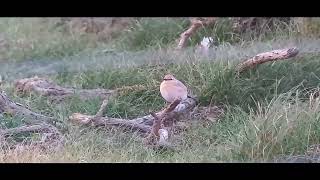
column 171, row 91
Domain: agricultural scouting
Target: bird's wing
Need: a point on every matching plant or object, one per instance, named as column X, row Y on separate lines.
column 180, row 85
column 184, row 88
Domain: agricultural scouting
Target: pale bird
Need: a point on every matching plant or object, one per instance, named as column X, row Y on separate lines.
column 172, row 89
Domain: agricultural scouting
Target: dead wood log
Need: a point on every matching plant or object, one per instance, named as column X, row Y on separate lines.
column 44, row 87
column 196, row 23
column 40, row 124
column 43, row 127
column 106, row 121
column 275, row 55
column 141, row 124
column 9, row 107
column 57, row 93
column 183, row 108
column 50, row 135
column 151, row 126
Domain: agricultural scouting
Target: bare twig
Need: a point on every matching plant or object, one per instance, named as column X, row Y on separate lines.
column 154, row 136
column 156, row 125
column 158, row 136
column 102, row 109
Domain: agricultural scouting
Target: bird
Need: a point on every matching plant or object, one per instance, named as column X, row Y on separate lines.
column 172, row 89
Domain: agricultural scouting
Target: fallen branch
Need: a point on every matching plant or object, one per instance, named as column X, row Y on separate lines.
column 9, row 107
column 25, row 129
column 44, row 87
column 267, row 57
column 141, row 124
column 40, row 123
column 83, row 119
column 152, row 126
column 182, row 108
column 50, row 135
column 195, row 25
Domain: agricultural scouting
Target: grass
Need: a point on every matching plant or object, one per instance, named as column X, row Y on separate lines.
column 35, row 38
column 268, row 112
column 163, row 32
column 152, row 32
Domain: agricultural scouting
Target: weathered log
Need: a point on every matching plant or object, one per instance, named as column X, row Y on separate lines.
column 50, row 135
column 40, row 124
column 150, row 126
column 42, row 127
column 44, row 87
column 195, row 25
column 183, row 108
column 141, row 124
column 267, row 57
column 57, row 93
column 9, row 107
column 106, row 121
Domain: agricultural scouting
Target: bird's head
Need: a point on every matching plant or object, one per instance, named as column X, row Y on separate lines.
column 168, row 77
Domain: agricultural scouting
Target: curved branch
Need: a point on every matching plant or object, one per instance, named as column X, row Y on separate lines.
column 261, row 58
column 195, row 25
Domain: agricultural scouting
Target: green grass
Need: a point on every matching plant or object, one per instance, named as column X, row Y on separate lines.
column 36, row 38
column 254, row 99
column 152, row 32
column 213, row 82
column 163, row 32
column 268, row 112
